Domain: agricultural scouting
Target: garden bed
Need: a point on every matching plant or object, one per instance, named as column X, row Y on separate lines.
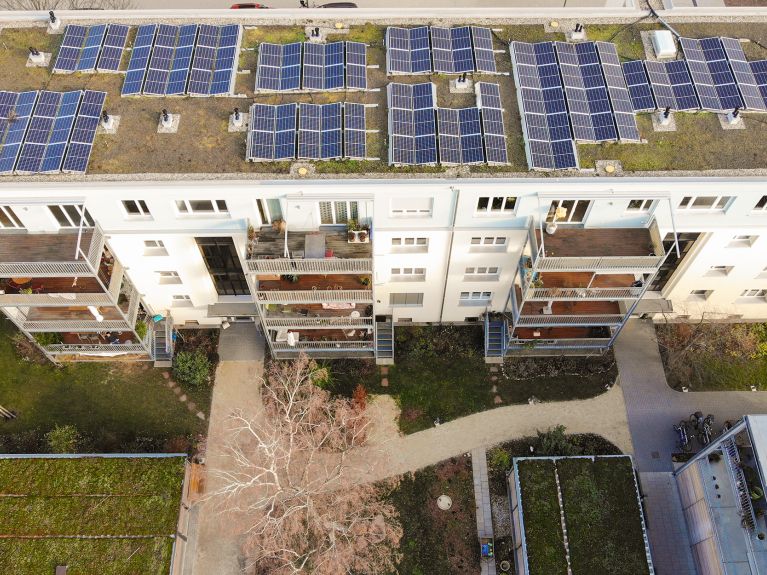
column 103, row 497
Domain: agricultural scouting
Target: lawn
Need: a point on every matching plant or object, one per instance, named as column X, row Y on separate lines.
column 440, row 372
column 436, row 542
column 115, row 406
column 49, row 498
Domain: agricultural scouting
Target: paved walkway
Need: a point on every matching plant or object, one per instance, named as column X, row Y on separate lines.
column 215, row 547
column 484, row 512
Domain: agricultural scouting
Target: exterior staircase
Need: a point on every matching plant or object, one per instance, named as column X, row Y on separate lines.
column 495, row 340
column 385, row 342
column 163, row 342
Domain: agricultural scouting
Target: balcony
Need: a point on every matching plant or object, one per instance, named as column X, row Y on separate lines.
column 323, row 343
column 576, row 286
column 74, row 318
column 597, row 249
column 570, row 313
column 97, row 345
column 560, row 338
column 51, row 255
column 318, row 316
column 322, row 252
column 335, row 289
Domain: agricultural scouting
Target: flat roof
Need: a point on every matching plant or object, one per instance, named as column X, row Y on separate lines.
column 203, row 145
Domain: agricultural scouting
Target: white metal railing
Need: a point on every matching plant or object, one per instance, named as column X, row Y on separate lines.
column 75, row 325
column 591, row 342
column 319, row 322
column 55, row 299
column 134, row 301
column 310, row 266
column 613, row 263
column 323, row 346
column 95, row 347
column 555, row 293
column 116, row 280
column 80, row 264
column 315, row 296
column 563, row 320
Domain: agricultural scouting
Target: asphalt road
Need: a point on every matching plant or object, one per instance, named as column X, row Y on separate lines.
column 192, row 4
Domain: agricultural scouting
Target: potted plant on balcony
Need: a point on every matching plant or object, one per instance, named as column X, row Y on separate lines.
column 140, row 328
column 252, row 240
column 279, row 225
column 356, row 232
column 364, row 281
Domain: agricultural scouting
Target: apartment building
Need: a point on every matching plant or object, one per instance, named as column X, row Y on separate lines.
column 330, row 263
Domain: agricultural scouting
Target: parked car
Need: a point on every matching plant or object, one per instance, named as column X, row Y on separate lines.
column 338, row 5
column 249, row 5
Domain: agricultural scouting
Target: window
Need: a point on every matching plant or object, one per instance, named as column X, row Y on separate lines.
column 136, row 208
column 482, row 273
column 705, row 203
column 742, row 241
column 640, row 206
column 411, row 207
column 335, row 213
column 202, row 207
column 408, row 274
column 168, row 278
column 718, row 271
column 181, row 301
column 568, row 211
column 475, row 297
column 406, row 299
column 71, row 215
column 700, row 294
column 761, row 205
column 496, row 204
column 268, row 211
column 488, row 243
column 410, row 245
column 755, row 293
column 8, row 218
column 154, row 248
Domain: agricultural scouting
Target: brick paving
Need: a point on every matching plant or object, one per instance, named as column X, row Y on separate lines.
column 482, row 503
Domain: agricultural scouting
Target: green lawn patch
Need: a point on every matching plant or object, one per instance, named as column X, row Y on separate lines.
column 440, row 372
column 436, row 542
column 117, row 407
column 89, row 497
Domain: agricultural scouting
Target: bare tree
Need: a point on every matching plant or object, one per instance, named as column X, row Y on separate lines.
column 67, row 5
column 289, row 488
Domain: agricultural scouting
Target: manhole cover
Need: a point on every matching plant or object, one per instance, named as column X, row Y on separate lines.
column 444, row 502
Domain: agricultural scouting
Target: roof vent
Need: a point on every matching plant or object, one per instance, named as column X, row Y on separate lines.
column 663, row 44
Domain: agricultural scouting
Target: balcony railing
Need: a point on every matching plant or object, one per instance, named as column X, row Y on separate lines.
column 555, row 293
column 565, row 320
column 79, row 264
column 315, row 296
column 75, row 325
column 310, row 266
column 338, row 346
column 319, row 322
column 603, row 263
column 55, row 299
column 68, row 348
column 584, row 343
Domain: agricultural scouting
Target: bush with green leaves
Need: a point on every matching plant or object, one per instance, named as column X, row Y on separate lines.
column 191, row 368
column 554, row 441
column 499, row 459
column 63, row 439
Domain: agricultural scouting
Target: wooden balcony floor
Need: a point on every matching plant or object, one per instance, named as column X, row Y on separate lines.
column 60, row 247
column 311, row 310
column 95, row 338
column 560, row 332
column 582, row 279
column 598, row 307
column 59, row 285
column 596, row 242
column 271, row 244
column 332, row 335
column 312, row 282
column 76, row 313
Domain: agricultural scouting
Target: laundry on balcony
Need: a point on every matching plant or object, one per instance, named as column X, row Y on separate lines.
column 338, row 305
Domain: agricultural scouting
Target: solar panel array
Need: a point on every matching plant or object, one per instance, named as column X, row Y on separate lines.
column 452, row 50
column 332, row 66
column 80, row 48
column 306, row 131
column 759, row 69
column 460, row 136
column 47, row 132
column 638, row 86
column 620, row 99
column 113, row 48
column 550, row 144
column 713, row 80
column 412, row 124
column 193, row 59
column 672, row 85
column 215, row 58
column 491, row 111
column 745, row 77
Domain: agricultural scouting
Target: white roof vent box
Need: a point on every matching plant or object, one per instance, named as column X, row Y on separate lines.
column 663, row 44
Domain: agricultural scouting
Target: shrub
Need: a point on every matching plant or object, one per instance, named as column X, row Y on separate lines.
column 44, row 338
column 191, row 368
column 499, row 459
column 553, row 441
column 360, row 397
column 140, row 329
column 63, row 439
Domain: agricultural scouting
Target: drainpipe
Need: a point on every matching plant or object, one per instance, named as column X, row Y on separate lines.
column 453, row 217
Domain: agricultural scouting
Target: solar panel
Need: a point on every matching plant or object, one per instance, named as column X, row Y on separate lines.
column 759, row 69
column 15, row 110
column 744, row 75
column 452, row 50
column 215, row 59
column 412, row 125
column 114, row 44
column 671, row 85
column 491, row 113
column 407, row 50
column 356, row 66
column 319, row 131
column 355, row 131
column 484, row 56
column 79, row 48
column 142, row 48
column 272, row 133
column 550, row 144
column 171, row 57
column 91, row 48
column 638, row 86
column 323, row 66
column 48, row 132
column 279, row 67
column 623, row 110
column 460, row 136
column 713, row 80
column 81, row 142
